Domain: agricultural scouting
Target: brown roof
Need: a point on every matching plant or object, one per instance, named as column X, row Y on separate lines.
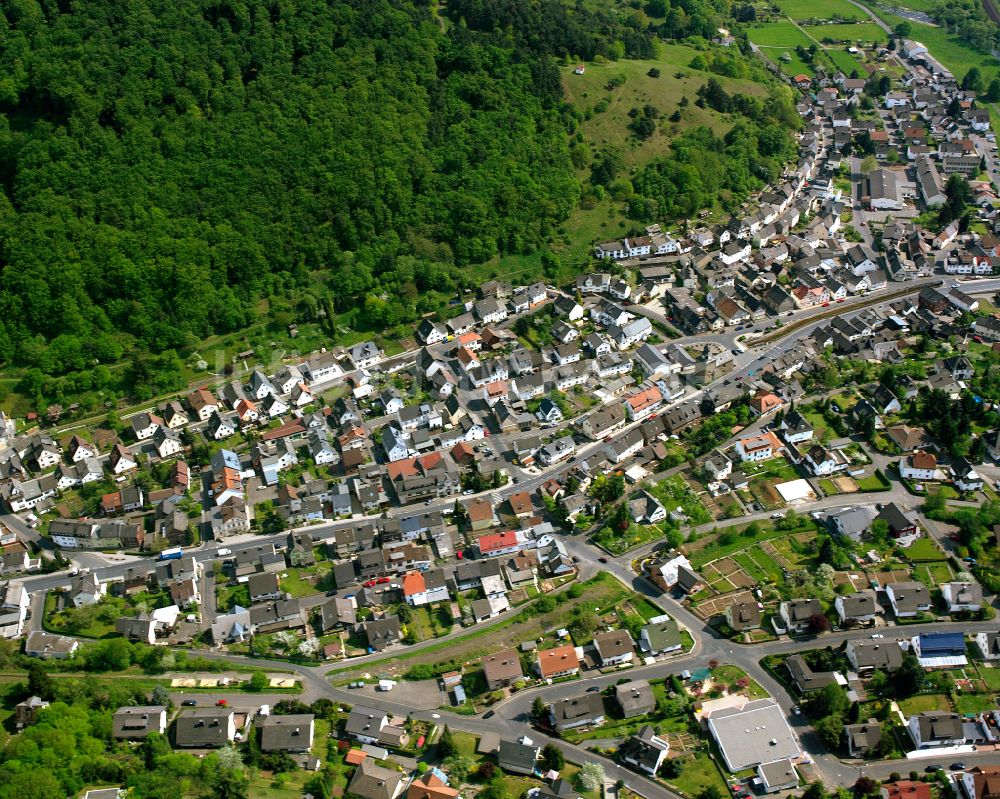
column 923, row 460
column 558, row 659
column 502, row 665
column 479, row 509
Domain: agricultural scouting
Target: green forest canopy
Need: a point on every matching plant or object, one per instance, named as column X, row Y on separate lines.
column 167, row 166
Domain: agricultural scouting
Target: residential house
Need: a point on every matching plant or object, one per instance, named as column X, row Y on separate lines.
column 797, row 614
column 580, row 711
column 908, row 599
column 561, row 661
column 614, row 647
column 134, row 723
column 936, row 728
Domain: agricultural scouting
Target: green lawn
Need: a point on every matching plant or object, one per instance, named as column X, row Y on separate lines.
column 932, row 574
column 778, row 34
column 420, row 624
column 974, row 703
column 465, row 742
column 847, row 63
column 297, row 584
column 99, row 619
column 751, row 567
column 991, row 676
column 873, row 483
column 698, row 774
column 924, row 550
column 809, row 9
column 922, row 702
column 861, row 32
column 821, row 429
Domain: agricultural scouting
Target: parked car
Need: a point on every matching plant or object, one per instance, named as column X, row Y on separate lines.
column 489, row 714
column 957, row 766
column 602, row 560
column 190, row 703
column 593, row 689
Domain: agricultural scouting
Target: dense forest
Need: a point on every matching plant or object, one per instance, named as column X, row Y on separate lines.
column 173, row 170
column 167, row 164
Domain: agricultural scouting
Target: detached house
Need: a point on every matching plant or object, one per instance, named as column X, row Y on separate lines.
column 614, row 647
column 908, row 598
column 797, row 614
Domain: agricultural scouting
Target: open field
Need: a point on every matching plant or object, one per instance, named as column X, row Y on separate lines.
column 859, row 32
column 809, row 9
column 618, row 86
column 779, row 34
column 846, row 62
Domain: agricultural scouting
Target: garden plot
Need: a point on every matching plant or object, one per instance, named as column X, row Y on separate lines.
column 715, row 606
column 895, row 575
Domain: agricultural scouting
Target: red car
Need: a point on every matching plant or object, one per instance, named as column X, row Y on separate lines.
column 370, row 584
column 381, row 580
column 222, row 703
column 841, row 299
column 826, row 305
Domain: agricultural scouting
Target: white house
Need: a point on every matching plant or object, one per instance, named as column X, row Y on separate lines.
column 959, row 597
column 758, row 448
column 919, row 466
column 933, row 729
column 167, row 442
column 221, row 427
column 989, row 644
column 144, row 425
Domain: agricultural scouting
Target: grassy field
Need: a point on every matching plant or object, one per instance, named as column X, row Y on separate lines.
column 858, row 32
column 846, row 62
column 724, row 544
column 636, row 89
column 809, row 9
column 779, row 34
column 295, row 582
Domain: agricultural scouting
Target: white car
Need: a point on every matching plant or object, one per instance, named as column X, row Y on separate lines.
column 877, row 635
